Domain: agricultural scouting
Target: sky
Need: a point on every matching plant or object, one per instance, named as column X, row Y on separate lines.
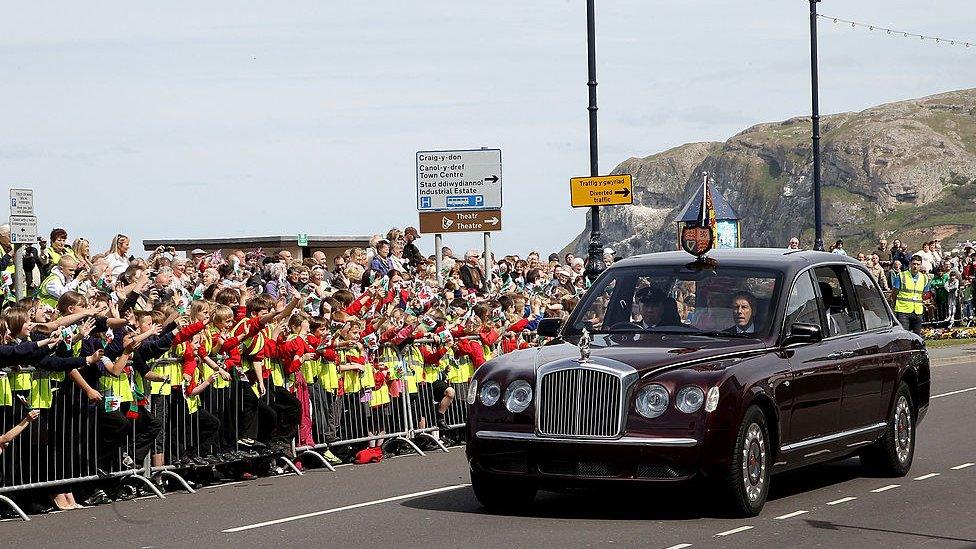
column 208, row 119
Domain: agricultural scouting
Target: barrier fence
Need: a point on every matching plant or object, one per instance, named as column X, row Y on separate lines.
column 91, row 445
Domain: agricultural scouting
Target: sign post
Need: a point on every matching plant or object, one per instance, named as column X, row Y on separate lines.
column 608, row 190
column 23, row 231
column 460, row 191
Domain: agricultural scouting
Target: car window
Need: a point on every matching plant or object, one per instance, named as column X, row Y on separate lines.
column 596, row 310
column 843, row 314
column 802, row 307
column 872, row 302
column 681, row 299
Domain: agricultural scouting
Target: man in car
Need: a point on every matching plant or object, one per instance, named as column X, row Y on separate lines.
column 743, row 314
column 656, row 308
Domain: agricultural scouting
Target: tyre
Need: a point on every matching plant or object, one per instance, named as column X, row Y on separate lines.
column 747, row 483
column 501, row 494
column 892, row 455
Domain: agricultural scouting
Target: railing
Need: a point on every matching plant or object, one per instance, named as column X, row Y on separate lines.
column 167, row 435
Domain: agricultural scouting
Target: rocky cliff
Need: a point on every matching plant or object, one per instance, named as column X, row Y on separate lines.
column 905, row 169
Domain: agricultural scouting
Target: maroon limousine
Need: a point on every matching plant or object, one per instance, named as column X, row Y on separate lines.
column 754, row 362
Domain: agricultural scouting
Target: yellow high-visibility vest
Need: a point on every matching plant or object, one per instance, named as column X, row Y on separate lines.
column 909, row 296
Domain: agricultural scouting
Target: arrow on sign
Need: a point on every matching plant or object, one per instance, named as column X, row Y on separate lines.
column 492, row 179
column 492, row 221
column 624, row 192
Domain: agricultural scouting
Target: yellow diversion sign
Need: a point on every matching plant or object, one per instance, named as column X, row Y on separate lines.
column 607, row 190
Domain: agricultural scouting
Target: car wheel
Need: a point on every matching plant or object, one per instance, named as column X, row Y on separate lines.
column 892, row 455
column 497, row 493
column 747, row 482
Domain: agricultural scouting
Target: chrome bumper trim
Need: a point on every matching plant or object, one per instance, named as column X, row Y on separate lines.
column 622, row 441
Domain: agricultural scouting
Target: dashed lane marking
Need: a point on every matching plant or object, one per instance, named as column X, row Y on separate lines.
column 345, row 508
column 963, row 466
column 734, row 531
column 791, row 515
column 841, row 500
column 885, row 488
column 930, row 475
column 680, row 546
column 955, row 392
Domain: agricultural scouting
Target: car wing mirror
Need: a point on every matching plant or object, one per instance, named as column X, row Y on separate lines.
column 804, row 333
column 549, row 327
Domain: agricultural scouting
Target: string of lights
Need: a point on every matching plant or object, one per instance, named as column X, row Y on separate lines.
column 894, row 32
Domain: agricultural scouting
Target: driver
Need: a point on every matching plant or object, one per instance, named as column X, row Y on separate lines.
column 656, row 308
column 743, row 314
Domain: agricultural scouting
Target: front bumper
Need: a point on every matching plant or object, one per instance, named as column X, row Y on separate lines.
column 628, row 458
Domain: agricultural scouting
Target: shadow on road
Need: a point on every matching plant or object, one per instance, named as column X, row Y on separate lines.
column 826, row 525
column 686, row 501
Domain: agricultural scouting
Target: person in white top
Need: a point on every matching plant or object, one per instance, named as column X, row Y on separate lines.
column 794, row 244
column 62, row 278
column 838, row 248
column 117, row 256
column 928, row 259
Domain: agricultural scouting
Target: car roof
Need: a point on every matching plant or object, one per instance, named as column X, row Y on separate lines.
column 780, row 259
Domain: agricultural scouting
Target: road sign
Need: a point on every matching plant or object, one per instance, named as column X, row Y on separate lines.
column 607, row 190
column 23, row 229
column 478, row 221
column 302, row 239
column 21, row 201
column 459, row 180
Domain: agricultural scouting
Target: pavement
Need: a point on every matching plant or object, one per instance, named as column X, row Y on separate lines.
column 414, row 501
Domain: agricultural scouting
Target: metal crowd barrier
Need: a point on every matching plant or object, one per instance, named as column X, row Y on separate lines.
column 77, row 442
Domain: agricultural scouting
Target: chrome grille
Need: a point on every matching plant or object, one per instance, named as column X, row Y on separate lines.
column 579, row 402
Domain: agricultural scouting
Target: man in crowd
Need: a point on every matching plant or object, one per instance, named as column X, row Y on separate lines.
column 410, row 251
column 908, row 288
column 472, row 275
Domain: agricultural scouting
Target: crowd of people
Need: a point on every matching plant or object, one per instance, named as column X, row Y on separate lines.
column 947, row 277
column 264, row 352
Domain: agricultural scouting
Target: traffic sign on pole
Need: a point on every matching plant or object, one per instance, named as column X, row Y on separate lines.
column 607, row 190
column 459, row 180
column 21, row 201
column 480, row 221
column 23, row 229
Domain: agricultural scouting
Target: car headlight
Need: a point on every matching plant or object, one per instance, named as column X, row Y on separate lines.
column 651, row 401
column 689, row 399
column 518, row 396
column 490, row 393
column 711, row 401
column 472, row 392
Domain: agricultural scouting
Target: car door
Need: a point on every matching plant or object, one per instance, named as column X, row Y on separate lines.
column 854, row 353
column 816, row 380
column 864, row 380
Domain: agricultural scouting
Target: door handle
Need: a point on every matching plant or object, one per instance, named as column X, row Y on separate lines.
column 841, row 354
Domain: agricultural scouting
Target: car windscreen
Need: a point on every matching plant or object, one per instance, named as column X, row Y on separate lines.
column 717, row 300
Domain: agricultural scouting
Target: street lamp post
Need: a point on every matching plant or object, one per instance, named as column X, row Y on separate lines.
column 815, row 85
column 594, row 263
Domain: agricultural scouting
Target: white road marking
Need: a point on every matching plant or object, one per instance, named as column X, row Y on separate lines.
column 680, row 546
column 885, row 488
column 734, row 531
column 791, row 515
column 955, row 392
column 963, row 466
column 930, row 475
column 841, row 500
column 346, row 508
